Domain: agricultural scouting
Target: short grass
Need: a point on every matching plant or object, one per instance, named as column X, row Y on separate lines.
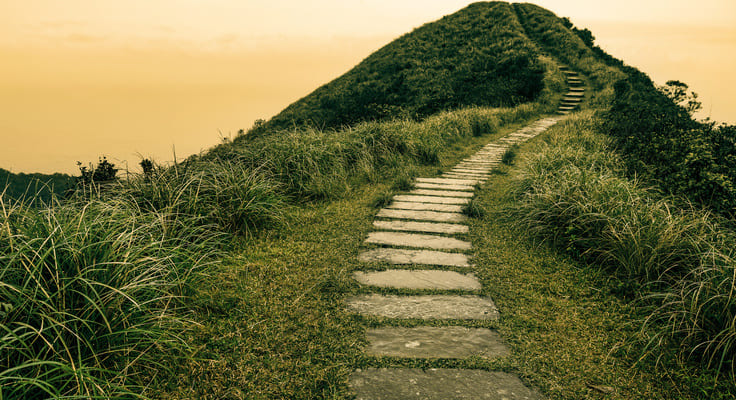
column 271, row 323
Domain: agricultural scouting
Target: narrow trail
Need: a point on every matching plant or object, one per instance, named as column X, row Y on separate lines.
column 418, row 229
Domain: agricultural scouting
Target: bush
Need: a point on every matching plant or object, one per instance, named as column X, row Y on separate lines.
column 89, row 293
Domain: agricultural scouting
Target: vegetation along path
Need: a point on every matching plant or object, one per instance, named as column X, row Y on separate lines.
column 418, row 228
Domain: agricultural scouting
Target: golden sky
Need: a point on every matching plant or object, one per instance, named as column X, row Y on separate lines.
column 82, row 78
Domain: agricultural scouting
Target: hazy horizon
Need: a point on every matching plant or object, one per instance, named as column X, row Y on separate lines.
column 81, row 80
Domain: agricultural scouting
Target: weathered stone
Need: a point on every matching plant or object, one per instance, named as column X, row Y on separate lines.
column 406, row 256
column 431, row 199
column 435, row 342
column 441, row 193
column 445, row 181
column 413, row 226
column 424, row 307
column 438, row 384
column 456, row 175
column 439, row 186
column 418, row 279
column 422, row 215
column 403, row 205
column 417, row 240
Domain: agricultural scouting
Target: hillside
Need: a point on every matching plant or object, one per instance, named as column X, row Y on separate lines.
column 476, row 56
column 228, row 275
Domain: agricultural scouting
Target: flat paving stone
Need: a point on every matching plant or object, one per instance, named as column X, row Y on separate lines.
column 417, row 240
column 446, row 181
column 435, row 342
column 438, row 384
column 434, row 216
column 424, row 307
column 421, row 185
column 470, row 170
column 431, row 199
column 404, row 205
column 441, row 193
column 407, row 256
column 413, row 226
column 455, row 175
column 418, row 279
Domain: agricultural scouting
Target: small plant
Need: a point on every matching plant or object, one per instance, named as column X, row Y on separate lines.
column 403, row 183
column 474, row 209
column 382, row 199
column 510, row 155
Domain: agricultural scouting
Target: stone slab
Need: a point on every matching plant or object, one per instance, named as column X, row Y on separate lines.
column 431, row 199
column 438, row 384
column 424, row 307
column 413, row 226
column 418, row 279
column 456, row 175
column 445, row 181
column 417, row 240
column 441, row 193
column 407, row 256
column 434, row 216
column 470, row 170
column 405, row 205
column 435, row 342
column 420, row 185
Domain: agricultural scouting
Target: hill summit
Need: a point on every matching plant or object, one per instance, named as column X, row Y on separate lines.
column 479, row 55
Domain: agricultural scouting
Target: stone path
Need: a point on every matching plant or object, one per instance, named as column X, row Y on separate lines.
column 420, row 228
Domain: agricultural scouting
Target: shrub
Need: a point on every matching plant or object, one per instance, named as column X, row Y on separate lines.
column 89, row 294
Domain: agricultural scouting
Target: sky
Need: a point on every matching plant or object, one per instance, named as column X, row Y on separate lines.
column 169, row 78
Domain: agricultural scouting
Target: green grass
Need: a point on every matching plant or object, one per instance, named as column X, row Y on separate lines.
column 270, row 322
column 675, row 262
column 90, row 294
column 478, row 56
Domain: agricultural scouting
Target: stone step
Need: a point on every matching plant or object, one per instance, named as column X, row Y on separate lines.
column 418, row 279
column 413, row 226
column 406, row 256
column 575, row 94
column 431, row 199
column 417, row 240
column 566, row 108
column 460, row 175
column 435, row 342
column 439, row 186
column 576, row 89
column 434, row 216
column 403, row 205
column 446, row 181
column 441, row 193
column 477, row 173
column 477, row 170
column 438, row 384
column 424, row 307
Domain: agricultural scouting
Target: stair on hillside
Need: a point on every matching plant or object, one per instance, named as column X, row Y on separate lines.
column 576, row 91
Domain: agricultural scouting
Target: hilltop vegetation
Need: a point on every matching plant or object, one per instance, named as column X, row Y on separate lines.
column 478, row 56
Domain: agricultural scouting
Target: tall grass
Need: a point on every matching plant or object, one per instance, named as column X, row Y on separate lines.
column 88, row 295
column 236, row 198
column 311, row 164
column 573, row 193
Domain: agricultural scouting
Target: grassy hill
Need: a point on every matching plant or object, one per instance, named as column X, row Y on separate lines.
column 222, row 276
column 476, row 56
